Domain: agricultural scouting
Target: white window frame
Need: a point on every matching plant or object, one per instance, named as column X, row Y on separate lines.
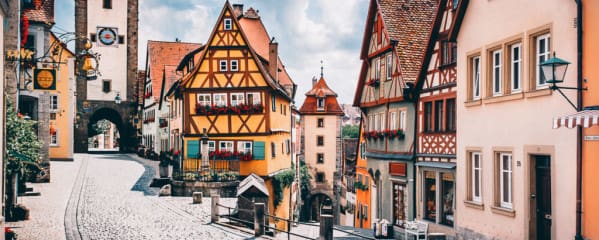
column 320, row 103
column 54, row 138
column 370, row 122
column 496, row 72
column 376, row 122
column 393, row 120
column 383, row 121
column 204, row 102
column 234, row 65
column 220, row 99
column 540, row 57
column 513, row 63
column 476, row 78
column 377, row 69
column 502, row 181
column 256, row 99
column 242, row 146
column 211, row 146
column 228, row 24
column 475, row 157
column 226, row 146
column 389, row 70
column 54, row 107
column 222, row 65
column 237, row 99
column 402, row 120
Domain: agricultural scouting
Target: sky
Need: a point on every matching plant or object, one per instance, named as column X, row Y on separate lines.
column 308, row 32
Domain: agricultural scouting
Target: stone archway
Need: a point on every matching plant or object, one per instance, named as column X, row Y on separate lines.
column 120, row 116
column 315, row 203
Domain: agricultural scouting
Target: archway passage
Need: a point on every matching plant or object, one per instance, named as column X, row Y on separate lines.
column 105, row 129
column 315, row 203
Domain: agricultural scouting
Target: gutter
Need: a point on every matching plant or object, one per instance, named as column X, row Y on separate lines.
column 579, row 80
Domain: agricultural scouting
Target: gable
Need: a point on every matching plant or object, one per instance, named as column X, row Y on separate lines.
column 227, row 31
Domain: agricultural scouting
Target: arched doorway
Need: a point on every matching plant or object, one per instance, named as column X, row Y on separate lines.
column 315, row 203
column 107, row 130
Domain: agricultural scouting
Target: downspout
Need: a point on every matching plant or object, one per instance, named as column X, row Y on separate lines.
column 579, row 128
column 415, row 150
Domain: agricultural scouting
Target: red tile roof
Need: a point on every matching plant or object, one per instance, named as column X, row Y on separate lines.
column 41, row 12
column 161, row 54
column 321, row 90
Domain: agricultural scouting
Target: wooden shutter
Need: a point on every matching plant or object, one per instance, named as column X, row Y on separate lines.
column 258, row 150
column 193, row 148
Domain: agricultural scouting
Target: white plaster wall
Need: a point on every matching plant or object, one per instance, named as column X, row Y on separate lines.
column 113, row 60
column 520, row 124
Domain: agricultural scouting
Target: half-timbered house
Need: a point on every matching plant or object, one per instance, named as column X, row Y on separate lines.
column 241, row 94
column 392, row 53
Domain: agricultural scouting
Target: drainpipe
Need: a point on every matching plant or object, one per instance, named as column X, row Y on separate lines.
column 579, row 129
column 414, row 156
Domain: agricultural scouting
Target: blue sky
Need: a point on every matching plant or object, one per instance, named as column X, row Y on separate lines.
column 308, row 31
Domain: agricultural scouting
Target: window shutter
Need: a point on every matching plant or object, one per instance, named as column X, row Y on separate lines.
column 193, row 148
column 258, row 150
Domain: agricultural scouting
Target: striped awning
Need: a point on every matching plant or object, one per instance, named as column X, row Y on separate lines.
column 586, row 118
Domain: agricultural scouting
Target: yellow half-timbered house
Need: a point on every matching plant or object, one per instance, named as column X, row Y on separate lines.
column 239, row 91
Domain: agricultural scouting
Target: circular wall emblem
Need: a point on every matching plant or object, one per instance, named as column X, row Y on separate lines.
column 45, row 78
column 107, row 36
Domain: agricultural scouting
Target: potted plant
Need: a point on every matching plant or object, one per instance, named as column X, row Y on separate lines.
column 163, row 165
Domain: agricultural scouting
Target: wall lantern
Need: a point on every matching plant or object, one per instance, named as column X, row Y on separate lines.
column 554, row 71
column 117, row 99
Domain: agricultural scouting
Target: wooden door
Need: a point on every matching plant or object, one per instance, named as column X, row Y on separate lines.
column 543, row 196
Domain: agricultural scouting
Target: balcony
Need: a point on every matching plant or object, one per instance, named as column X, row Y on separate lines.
column 238, row 109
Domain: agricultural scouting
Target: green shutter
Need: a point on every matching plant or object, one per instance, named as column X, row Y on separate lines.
column 258, row 150
column 193, row 148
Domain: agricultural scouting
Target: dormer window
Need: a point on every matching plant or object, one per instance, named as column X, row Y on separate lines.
column 320, row 104
column 228, row 24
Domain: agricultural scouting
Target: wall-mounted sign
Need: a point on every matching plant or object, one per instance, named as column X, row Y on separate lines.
column 397, row 169
column 107, row 36
column 591, row 138
column 44, row 79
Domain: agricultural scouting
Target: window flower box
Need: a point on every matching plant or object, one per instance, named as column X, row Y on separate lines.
column 395, row 133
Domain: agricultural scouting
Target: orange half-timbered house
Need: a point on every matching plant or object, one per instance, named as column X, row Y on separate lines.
column 240, row 92
column 436, row 123
column 393, row 47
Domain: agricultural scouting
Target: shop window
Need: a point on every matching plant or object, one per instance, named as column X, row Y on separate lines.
column 430, row 196
column 400, row 204
column 447, row 199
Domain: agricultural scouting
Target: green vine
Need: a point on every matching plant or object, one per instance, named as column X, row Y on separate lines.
column 280, row 182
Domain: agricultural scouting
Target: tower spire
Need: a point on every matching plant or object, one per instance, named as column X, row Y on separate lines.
column 321, row 69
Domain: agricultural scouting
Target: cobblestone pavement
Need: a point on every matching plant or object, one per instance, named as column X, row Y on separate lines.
column 111, row 200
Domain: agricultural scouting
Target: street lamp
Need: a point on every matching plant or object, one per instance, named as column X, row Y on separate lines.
column 117, row 99
column 554, row 71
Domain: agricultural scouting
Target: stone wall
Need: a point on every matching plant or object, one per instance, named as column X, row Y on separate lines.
column 186, row 188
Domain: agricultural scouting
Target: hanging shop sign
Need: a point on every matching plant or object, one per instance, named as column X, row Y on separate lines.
column 44, row 79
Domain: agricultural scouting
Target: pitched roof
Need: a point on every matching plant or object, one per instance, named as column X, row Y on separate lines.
column 170, row 76
column 252, row 180
column 321, row 90
column 161, row 54
column 409, row 22
column 41, row 12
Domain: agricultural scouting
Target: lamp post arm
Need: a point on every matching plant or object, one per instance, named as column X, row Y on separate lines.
column 567, row 99
column 572, row 88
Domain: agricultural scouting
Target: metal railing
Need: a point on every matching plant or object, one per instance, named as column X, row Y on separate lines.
column 221, row 170
column 288, row 224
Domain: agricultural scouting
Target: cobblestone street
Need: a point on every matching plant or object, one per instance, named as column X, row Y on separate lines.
column 107, row 197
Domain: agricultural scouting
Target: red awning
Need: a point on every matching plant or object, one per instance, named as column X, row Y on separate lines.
column 586, row 118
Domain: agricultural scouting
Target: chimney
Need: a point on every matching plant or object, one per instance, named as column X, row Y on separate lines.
column 273, row 57
column 238, row 10
column 313, row 81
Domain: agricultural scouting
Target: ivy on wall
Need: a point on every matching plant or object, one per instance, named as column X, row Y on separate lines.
column 280, row 182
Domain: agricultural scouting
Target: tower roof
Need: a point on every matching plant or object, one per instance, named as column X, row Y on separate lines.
column 321, row 90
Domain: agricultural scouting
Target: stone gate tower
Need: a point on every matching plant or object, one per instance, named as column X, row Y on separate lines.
column 112, row 26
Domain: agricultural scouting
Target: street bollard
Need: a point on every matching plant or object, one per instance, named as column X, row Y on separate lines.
column 214, row 210
column 197, row 197
column 258, row 219
column 326, row 227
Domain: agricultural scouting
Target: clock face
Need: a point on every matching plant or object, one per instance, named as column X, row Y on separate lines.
column 107, row 36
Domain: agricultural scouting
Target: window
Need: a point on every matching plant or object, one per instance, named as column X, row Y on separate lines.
column 234, row 65
column 505, row 180
column 449, row 52
column 475, row 177
column 371, row 123
column 393, row 120
column 450, row 116
column 273, row 103
column 273, row 147
column 92, row 37
column 320, row 158
column 54, row 137
column 428, row 116
column 320, row 123
column 106, row 85
column 253, row 98
column 438, row 115
column 476, row 78
column 439, row 196
column 228, row 24
column 383, row 119
column 220, row 99
column 52, row 116
column 121, row 39
column 402, row 120
column 225, row 146
column 447, row 198
column 377, row 126
column 107, row 4
column 543, row 48
column 211, row 146
column 430, row 195
column 223, row 65
column 288, row 146
column 400, row 203
column 237, row 99
column 389, row 69
column 320, row 104
column 204, row 99
column 377, row 71
column 320, row 177
column 515, row 67
column 53, row 102
column 244, row 147
column 319, row 140
column 496, row 74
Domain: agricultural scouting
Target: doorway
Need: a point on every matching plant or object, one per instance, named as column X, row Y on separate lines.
column 541, row 198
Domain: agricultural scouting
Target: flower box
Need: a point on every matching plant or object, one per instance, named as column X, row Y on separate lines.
column 238, row 109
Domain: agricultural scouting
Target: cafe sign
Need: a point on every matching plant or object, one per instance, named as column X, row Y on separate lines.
column 44, row 79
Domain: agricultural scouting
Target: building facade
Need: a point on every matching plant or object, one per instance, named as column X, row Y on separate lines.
column 392, row 52
column 241, row 94
column 516, row 175
column 321, row 140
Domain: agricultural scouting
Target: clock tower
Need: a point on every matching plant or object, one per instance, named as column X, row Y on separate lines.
column 112, row 27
